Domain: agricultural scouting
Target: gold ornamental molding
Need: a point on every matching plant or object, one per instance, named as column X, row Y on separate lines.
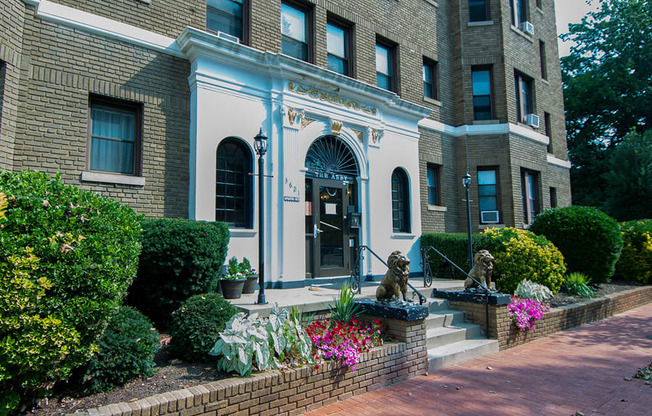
column 336, row 126
column 331, row 98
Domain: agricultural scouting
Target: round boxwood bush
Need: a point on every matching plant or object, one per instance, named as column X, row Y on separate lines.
column 180, row 258
column 126, row 351
column 67, row 257
column 520, row 255
column 635, row 262
column 588, row 238
column 197, row 324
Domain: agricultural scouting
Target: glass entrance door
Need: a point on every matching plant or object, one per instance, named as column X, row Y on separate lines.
column 330, row 234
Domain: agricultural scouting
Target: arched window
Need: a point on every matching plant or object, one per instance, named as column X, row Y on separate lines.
column 400, row 202
column 233, row 184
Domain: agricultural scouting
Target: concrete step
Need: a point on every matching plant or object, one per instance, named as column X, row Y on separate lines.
column 445, row 317
column 457, row 352
column 438, row 337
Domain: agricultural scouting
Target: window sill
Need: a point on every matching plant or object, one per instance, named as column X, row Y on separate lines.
column 522, row 34
column 545, row 81
column 402, row 236
column 432, row 101
column 242, row 232
column 480, row 122
column 432, row 2
column 112, row 178
column 439, row 208
column 483, row 23
column 485, row 226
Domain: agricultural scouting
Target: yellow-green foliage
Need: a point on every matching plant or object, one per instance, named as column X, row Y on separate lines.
column 635, row 262
column 519, row 255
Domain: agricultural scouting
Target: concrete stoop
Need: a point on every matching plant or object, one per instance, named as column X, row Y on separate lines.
column 452, row 340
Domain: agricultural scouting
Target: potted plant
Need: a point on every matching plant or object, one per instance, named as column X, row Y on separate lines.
column 233, row 281
column 251, row 283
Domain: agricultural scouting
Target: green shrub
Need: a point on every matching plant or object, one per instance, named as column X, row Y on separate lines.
column 180, row 258
column 67, row 257
column 635, row 262
column 455, row 247
column 588, row 238
column 345, row 308
column 126, row 351
column 264, row 343
column 520, row 255
column 197, row 324
column 578, row 284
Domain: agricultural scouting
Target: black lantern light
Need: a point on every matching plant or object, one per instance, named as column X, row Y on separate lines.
column 260, row 145
column 466, row 182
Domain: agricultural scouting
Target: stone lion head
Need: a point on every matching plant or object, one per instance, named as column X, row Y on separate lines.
column 397, row 259
column 484, row 258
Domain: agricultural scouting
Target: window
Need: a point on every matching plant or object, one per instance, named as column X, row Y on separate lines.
column 553, row 197
column 3, row 73
column 434, row 189
column 400, row 202
column 488, row 195
column 385, row 63
column 295, row 32
column 542, row 58
column 518, row 11
column 539, row 4
column 548, row 129
column 430, row 79
column 524, row 97
column 478, row 10
column 233, row 183
column 338, row 44
column 482, row 93
column 530, row 193
column 115, row 136
column 226, row 16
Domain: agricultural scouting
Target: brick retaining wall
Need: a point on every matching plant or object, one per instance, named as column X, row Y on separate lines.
column 556, row 319
column 291, row 392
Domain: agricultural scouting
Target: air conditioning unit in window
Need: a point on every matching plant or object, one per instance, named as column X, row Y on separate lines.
column 532, row 120
column 527, row 27
column 490, row 217
column 228, row 37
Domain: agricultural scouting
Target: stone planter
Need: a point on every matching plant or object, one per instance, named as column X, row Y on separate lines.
column 251, row 284
column 232, row 288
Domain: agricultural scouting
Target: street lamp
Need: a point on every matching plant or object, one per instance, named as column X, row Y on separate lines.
column 260, row 145
column 466, row 182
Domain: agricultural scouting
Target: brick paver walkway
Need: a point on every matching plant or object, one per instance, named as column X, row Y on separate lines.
column 580, row 370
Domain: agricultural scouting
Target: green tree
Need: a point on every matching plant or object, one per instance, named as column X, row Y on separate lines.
column 607, row 89
column 629, row 178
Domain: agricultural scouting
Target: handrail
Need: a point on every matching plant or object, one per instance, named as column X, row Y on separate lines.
column 357, row 272
column 487, row 291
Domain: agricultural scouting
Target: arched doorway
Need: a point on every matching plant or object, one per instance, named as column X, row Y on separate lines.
column 331, row 197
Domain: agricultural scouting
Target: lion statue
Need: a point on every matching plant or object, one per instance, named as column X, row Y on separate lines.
column 395, row 281
column 481, row 271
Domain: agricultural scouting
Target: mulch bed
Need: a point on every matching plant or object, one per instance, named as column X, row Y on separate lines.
column 175, row 375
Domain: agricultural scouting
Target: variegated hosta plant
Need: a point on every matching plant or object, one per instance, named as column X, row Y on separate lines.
column 250, row 341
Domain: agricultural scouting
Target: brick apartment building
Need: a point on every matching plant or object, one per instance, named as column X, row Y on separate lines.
column 373, row 109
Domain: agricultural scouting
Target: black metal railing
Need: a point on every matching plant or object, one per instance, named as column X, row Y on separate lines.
column 427, row 269
column 355, row 280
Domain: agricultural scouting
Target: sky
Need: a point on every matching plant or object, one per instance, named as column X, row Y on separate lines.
column 570, row 11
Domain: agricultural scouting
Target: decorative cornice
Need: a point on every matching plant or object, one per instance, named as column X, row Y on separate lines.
column 89, row 22
column 484, row 129
column 552, row 160
column 331, row 98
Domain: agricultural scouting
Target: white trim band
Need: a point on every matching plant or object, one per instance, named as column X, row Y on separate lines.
column 558, row 162
column 483, row 129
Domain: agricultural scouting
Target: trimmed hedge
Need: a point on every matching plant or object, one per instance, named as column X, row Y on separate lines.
column 197, row 324
column 126, row 351
column 520, row 255
column 180, row 258
column 455, row 247
column 635, row 262
column 588, row 238
column 67, row 257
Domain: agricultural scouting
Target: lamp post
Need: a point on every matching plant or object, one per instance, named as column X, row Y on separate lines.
column 466, row 182
column 260, row 145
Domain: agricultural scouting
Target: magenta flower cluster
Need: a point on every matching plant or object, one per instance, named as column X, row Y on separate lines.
column 524, row 312
column 345, row 342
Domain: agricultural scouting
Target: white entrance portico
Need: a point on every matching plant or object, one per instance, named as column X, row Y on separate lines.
column 336, row 146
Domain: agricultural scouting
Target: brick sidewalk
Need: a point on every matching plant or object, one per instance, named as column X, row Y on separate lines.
column 579, row 370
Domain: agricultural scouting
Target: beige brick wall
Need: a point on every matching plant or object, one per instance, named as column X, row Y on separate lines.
column 292, row 391
column 556, row 319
